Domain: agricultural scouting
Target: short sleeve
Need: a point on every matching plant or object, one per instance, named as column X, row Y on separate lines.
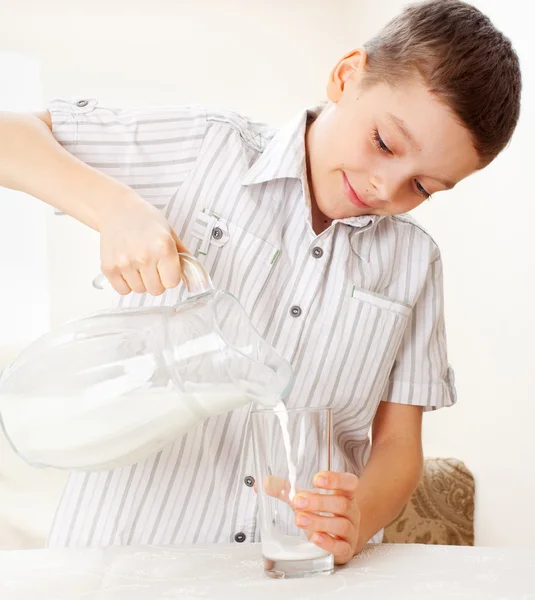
column 421, row 374
column 152, row 151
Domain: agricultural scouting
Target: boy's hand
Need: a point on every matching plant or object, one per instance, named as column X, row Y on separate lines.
column 337, row 534
column 139, row 249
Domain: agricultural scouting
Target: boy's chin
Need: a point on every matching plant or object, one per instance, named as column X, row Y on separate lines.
column 335, row 213
column 340, row 212
column 341, row 215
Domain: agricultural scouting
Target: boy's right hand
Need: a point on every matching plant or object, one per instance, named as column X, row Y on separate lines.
column 139, row 249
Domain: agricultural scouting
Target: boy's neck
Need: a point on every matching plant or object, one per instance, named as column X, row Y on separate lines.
column 320, row 222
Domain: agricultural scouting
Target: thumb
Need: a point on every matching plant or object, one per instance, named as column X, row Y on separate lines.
column 179, row 245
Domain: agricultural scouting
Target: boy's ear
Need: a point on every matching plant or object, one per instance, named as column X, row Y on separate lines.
column 351, row 66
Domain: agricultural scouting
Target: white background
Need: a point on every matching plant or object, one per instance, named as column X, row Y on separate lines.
column 23, row 251
column 268, row 59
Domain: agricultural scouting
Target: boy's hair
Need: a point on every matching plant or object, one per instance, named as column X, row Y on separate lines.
column 462, row 58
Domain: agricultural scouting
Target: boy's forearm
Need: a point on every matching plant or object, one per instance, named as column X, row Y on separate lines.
column 386, row 484
column 32, row 161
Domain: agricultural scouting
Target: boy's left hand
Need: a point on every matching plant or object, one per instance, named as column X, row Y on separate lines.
column 337, row 534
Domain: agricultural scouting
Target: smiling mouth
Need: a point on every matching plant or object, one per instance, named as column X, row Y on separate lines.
column 352, row 195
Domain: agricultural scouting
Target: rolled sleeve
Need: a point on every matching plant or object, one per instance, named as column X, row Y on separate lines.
column 421, row 375
column 152, row 151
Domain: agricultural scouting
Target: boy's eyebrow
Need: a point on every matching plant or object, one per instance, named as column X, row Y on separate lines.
column 402, row 128
column 448, row 185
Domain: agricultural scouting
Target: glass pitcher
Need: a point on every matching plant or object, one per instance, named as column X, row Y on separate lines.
column 110, row 389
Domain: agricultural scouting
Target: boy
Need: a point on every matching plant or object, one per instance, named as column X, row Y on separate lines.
column 307, row 227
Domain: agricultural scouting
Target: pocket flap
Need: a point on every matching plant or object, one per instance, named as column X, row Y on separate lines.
column 381, row 301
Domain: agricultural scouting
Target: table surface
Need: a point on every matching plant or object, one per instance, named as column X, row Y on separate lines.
column 235, row 571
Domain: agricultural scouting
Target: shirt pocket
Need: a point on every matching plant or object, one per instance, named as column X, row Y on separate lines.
column 379, row 325
column 238, row 261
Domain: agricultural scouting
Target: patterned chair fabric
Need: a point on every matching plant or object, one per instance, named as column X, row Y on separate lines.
column 441, row 510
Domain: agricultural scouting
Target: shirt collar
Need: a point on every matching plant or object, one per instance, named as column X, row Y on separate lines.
column 285, row 157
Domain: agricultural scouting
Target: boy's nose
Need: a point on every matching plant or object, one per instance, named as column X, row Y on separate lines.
column 379, row 189
column 385, row 189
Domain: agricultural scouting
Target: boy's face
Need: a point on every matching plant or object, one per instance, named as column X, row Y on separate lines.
column 382, row 150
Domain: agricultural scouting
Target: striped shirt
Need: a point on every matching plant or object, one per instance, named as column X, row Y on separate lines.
column 356, row 310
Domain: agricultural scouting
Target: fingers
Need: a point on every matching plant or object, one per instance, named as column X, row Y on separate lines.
column 277, row 487
column 119, row 284
column 147, row 279
column 139, row 249
column 152, row 281
column 152, row 270
column 133, row 278
column 334, row 504
column 341, row 549
column 337, row 526
column 169, row 271
column 336, row 535
column 341, row 482
column 162, row 258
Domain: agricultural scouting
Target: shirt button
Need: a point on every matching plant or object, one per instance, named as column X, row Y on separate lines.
column 240, row 537
column 317, row 252
column 82, row 103
column 295, row 311
column 217, row 234
column 249, row 481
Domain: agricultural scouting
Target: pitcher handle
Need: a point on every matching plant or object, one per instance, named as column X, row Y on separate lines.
column 194, row 276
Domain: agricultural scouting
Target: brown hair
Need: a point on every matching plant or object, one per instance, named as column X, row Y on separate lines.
column 462, row 58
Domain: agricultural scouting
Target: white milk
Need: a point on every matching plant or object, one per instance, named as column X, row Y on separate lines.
column 96, row 433
column 282, row 415
column 287, row 547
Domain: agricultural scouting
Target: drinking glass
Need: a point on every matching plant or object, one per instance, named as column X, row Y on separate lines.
column 291, row 447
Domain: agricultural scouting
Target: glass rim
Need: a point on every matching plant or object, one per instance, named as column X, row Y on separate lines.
column 304, row 409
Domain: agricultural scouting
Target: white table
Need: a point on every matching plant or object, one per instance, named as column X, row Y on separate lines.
column 235, row 571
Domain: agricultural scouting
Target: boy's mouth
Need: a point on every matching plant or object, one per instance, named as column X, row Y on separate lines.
column 352, row 196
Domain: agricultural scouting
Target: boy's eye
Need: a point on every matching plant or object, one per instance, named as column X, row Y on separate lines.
column 380, row 145
column 422, row 190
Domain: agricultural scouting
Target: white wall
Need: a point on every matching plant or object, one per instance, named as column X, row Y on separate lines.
column 485, row 229
column 24, row 314
column 268, row 59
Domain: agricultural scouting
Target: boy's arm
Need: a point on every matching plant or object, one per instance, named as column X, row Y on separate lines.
column 32, row 161
column 393, row 470
column 139, row 250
